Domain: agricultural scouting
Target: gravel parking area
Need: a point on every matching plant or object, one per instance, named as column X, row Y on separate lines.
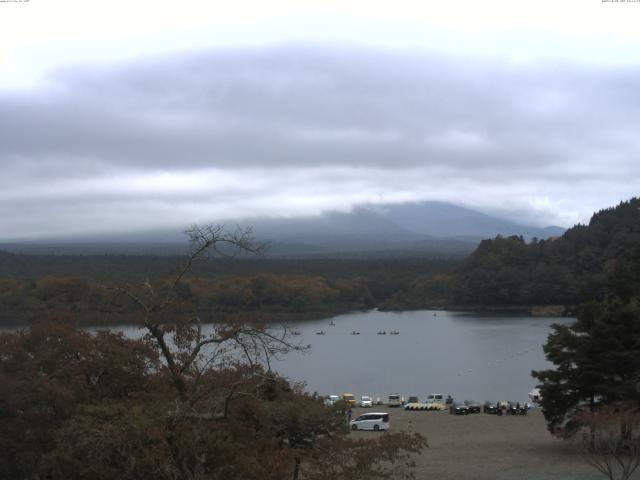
column 488, row 447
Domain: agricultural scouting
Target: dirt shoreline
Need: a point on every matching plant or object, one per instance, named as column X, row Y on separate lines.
column 488, row 447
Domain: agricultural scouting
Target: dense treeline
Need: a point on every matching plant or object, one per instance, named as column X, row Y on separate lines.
column 268, row 289
column 117, row 267
column 89, row 302
column 586, row 263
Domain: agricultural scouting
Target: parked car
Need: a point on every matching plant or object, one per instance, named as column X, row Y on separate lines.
column 472, row 406
column 413, row 399
column 366, row 401
column 331, row 400
column 350, row 399
column 458, row 408
column 490, row 407
column 371, row 421
column 394, row 400
column 435, row 398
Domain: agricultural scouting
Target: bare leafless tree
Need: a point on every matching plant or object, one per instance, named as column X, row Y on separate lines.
column 611, row 440
column 186, row 346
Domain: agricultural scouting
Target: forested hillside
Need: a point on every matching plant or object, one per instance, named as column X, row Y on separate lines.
column 586, row 263
column 36, row 286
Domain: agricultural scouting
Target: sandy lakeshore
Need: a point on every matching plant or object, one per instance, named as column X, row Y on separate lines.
column 488, row 447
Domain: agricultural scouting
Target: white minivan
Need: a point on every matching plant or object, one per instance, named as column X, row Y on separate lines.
column 371, row 421
column 435, row 398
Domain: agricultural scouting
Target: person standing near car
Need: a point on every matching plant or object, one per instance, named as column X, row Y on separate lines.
column 349, row 413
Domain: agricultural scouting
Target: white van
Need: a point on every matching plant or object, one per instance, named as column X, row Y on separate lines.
column 394, row 400
column 371, row 421
column 331, row 400
column 435, row 398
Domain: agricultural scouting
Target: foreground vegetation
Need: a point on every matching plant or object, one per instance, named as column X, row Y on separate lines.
column 80, row 406
column 181, row 403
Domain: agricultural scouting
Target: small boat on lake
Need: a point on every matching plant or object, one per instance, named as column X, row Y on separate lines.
column 355, row 333
column 321, row 332
column 394, row 332
column 332, row 323
column 382, row 332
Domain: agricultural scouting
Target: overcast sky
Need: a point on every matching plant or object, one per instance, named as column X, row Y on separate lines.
column 120, row 115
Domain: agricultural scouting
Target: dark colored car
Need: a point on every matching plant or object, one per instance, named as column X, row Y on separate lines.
column 458, row 408
column 490, row 407
column 519, row 408
column 474, row 407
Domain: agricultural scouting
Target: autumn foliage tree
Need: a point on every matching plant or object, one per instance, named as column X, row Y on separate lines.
column 47, row 372
column 187, row 401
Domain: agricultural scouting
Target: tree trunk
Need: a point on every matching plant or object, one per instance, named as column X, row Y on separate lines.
column 296, row 469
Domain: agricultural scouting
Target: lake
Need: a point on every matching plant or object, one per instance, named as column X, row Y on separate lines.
column 468, row 355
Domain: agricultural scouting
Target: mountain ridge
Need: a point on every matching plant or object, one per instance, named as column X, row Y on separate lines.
column 412, row 228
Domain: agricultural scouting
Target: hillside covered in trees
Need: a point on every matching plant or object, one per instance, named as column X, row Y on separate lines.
column 587, row 263
column 35, row 286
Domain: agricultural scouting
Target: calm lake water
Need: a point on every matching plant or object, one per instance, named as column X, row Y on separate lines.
column 468, row 355
column 471, row 356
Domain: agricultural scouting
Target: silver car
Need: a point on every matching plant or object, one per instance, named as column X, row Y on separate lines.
column 371, row 421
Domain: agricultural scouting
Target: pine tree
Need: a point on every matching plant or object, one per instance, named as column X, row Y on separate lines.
column 597, row 362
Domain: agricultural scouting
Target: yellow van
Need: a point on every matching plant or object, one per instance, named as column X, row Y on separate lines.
column 350, row 399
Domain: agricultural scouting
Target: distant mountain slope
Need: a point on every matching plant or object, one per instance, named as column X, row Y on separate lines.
column 439, row 219
column 586, row 263
column 424, row 229
column 433, row 228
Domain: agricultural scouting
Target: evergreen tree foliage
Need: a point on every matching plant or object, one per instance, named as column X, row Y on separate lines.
column 597, row 362
column 586, row 264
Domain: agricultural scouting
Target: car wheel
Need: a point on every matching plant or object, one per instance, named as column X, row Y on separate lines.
column 376, row 428
column 354, row 427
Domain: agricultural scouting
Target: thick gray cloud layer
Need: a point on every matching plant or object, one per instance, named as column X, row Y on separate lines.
column 299, row 129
